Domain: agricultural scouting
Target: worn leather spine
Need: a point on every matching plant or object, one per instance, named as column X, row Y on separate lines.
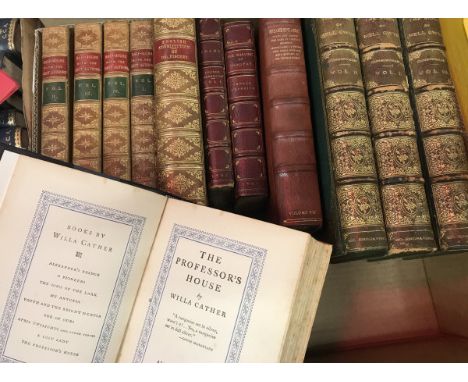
column 440, row 129
column 179, row 147
column 405, row 207
column 143, row 141
column 56, row 93
column 359, row 217
column 251, row 188
column 11, row 118
column 10, row 39
column 14, row 136
column 116, row 101
column 215, row 113
column 87, row 102
column 292, row 167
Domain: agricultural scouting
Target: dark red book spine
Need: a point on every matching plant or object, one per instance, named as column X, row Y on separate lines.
column 245, row 113
column 292, row 167
column 215, row 113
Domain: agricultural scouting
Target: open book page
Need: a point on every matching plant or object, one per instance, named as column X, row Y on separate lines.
column 218, row 288
column 73, row 250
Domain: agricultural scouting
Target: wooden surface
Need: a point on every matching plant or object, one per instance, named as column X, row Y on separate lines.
column 372, row 302
column 436, row 349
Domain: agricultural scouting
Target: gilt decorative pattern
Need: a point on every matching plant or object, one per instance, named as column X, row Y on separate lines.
column 87, row 107
column 390, row 111
column 116, row 100
column 446, row 154
column 143, row 137
column 179, row 144
column 346, row 110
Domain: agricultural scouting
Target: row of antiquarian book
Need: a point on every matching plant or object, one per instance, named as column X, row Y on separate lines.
column 347, row 128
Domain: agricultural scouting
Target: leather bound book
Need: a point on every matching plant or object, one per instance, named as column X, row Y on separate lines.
column 251, row 184
column 179, row 141
column 440, row 128
column 10, row 39
column 292, row 167
column 406, row 211
column 14, row 136
column 142, row 99
column 87, row 102
column 116, row 104
column 56, row 93
column 215, row 113
column 353, row 220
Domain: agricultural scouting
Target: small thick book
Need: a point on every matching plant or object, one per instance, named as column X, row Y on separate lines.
column 99, row 270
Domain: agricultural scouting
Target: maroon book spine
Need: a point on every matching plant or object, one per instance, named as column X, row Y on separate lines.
column 215, row 113
column 251, row 188
column 292, row 167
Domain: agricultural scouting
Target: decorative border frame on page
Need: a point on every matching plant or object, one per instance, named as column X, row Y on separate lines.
column 248, row 298
column 46, row 200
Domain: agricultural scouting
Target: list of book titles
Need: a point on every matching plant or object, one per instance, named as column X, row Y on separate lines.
column 68, row 288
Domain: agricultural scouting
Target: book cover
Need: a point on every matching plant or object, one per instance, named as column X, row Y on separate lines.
column 116, row 101
column 292, row 167
column 179, row 142
column 245, row 113
column 440, row 129
column 87, row 106
column 55, row 127
column 216, row 127
column 143, row 140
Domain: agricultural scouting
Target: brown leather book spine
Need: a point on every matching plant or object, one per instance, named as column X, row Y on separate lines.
column 116, row 113
column 245, row 115
column 215, row 112
column 357, row 192
column 292, row 167
column 405, row 206
column 179, row 147
column 143, row 140
column 87, row 106
column 440, row 129
column 56, row 93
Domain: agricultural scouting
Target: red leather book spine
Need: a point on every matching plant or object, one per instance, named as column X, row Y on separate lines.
column 292, row 167
column 245, row 113
column 215, row 114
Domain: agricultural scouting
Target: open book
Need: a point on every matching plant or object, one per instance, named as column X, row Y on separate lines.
column 95, row 270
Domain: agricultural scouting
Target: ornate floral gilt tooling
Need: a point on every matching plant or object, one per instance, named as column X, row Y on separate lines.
column 405, row 205
column 397, row 156
column 437, row 109
column 451, row 202
column 390, row 111
column 359, row 205
column 445, row 154
column 353, row 156
column 346, row 110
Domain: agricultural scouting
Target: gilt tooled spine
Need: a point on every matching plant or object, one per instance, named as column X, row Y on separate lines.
column 440, row 129
column 292, row 167
column 116, row 103
column 245, row 111
column 216, row 128
column 405, row 206
column 360, row 217
column 143, row 141
column 179, row 147
column 14, row 136
column 11, row 118
column 87, row 103
column 56, row 92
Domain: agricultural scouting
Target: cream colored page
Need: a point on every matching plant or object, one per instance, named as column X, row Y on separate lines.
column 73, row 250
column 218, row 288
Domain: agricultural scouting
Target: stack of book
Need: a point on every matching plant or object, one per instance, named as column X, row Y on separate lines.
column 12, row 123
column 203, row 110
